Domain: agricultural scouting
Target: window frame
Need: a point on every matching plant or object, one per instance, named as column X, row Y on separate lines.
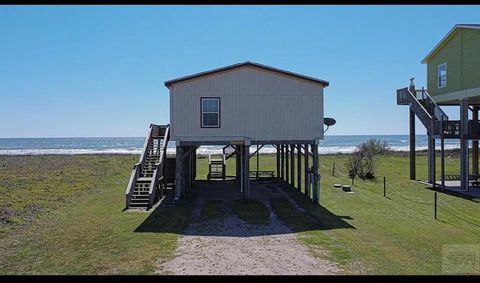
column 202, row 112
column 439, row 76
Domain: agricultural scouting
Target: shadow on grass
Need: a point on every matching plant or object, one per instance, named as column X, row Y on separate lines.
column 239, row 219
column 169, row 219
column 473, row 194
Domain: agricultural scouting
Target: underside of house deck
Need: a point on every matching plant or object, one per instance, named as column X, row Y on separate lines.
column 155, row 174
column 287, row 152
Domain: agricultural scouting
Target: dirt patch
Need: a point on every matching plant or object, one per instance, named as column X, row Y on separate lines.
column 231, row 246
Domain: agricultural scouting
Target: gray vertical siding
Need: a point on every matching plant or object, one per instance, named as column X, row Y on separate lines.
column 255, row 104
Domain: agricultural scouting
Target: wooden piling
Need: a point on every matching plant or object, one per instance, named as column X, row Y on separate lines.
column 464, row 144
column 475, row 142
column 247, row 172
column 316, row 179
column 178, row 172
column 412, row 145
column 278, row 161
column 299, row 167
column 282, row 161
column 292, row 165
column 287, row 167
column 258, row 161
column 306, row 180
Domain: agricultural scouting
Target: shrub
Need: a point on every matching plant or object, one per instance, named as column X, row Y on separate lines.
column 362, row 161
column 354, row 164
column 374, row 147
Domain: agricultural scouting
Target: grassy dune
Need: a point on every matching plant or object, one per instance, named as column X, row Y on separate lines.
column 63, row 215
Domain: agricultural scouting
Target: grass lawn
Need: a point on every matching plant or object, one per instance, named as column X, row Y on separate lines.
column 393, row 235
column 80, row 227
column 63, row 215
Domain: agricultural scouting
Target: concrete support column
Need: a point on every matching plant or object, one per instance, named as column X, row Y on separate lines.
column 412, row 145
column 306, row 170
column 464, row 144
column 316, row 175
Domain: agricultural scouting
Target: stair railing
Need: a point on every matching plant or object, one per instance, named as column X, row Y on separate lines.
column 131, row 184
column 437, row 111
column 137, row 169
column 148, row 138
column 158, row 173
column 418, row 108
column 430, row 121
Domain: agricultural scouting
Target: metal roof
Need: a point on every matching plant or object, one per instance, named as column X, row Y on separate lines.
column 447, row 37
column 248, row 63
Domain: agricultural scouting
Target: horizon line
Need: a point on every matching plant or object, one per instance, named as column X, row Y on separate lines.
column 92, row 137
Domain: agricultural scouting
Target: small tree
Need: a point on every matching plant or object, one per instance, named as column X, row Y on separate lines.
column 354, row 164
column 362, row 161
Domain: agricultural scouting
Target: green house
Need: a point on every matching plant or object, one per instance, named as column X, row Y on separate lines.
column 453, row 66
column 453, row 78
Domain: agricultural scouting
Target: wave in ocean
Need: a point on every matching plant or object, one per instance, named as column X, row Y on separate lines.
column 202, row 151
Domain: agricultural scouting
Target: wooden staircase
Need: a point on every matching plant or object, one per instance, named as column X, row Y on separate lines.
column 216, row 167
column 428, row 112
column 147, row 180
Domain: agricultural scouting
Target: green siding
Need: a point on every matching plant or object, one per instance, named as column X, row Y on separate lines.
column 471, row 58
column 462, row 55
column 450, row 54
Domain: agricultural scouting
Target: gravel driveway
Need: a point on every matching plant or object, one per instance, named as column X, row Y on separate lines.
column 231, row 246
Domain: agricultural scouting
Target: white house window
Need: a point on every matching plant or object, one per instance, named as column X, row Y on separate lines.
column 442, row 75
column 210, row 108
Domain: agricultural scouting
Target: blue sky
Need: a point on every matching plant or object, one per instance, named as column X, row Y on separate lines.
column 69, row 71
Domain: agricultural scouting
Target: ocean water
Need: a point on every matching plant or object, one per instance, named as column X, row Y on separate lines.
column 133, row 145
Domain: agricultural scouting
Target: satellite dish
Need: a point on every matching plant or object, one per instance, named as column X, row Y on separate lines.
column 329, row 122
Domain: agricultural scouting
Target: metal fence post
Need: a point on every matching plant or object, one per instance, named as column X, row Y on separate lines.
column 384, row 187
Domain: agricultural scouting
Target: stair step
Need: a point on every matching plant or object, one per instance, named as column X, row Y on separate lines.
column 138, row 204
column 140, row 195
column 143, row 199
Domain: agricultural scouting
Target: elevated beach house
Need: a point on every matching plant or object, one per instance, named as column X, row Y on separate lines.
column 453, row 79
column 241, row 107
